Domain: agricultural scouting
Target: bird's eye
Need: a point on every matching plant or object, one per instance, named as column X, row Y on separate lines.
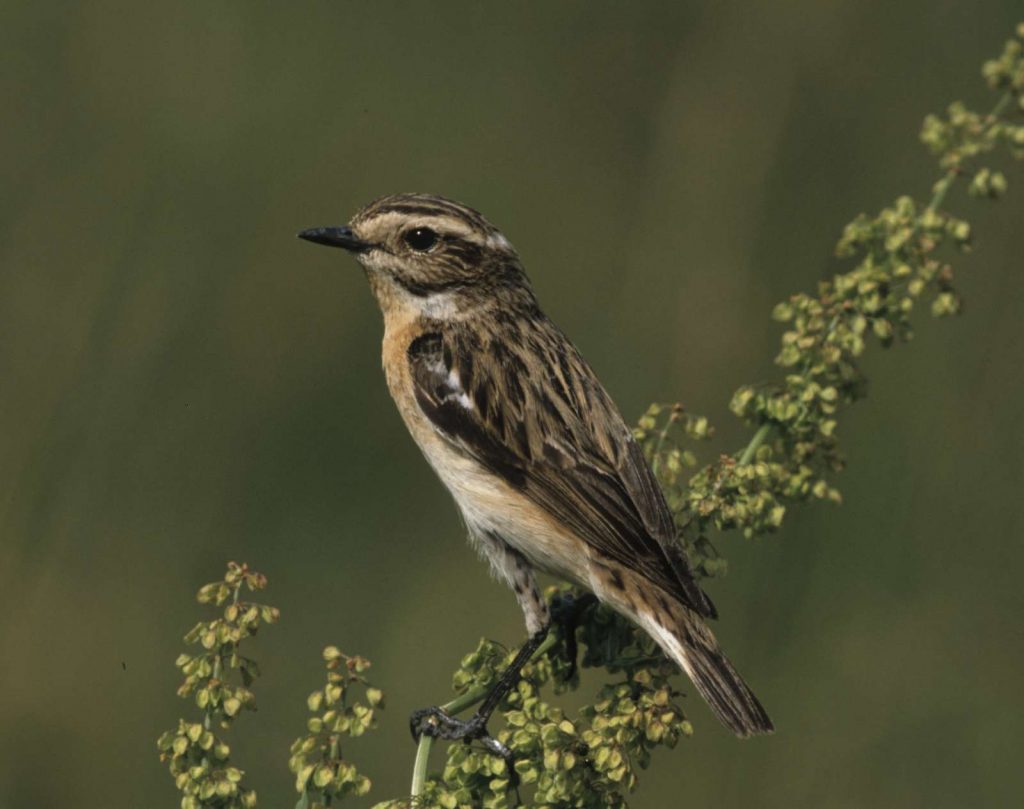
column 420, row 239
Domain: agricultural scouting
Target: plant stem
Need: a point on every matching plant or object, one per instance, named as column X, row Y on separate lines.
column 419, row 767
column 467, row 700
column 215, row 676
column 942, row 186
column 661, row 442
column 755, row 443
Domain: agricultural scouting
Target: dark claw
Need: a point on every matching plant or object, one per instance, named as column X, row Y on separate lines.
column 566, row 611
column 438, row 724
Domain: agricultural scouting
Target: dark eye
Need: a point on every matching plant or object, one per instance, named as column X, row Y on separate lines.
column 421, row 239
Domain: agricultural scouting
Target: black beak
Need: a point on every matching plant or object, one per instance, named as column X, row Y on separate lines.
column 336, row 237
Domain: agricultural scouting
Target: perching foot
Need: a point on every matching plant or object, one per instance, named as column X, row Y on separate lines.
column 439, row 724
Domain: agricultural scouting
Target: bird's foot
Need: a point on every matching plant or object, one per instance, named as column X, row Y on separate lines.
column 439, row 724
column 566, row 611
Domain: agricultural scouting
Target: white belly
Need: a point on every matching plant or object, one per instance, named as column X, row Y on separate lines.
column 489, row 505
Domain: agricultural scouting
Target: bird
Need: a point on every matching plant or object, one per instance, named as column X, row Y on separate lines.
column 543, row 468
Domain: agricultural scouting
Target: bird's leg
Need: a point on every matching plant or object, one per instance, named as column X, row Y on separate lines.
column 566, row 611
column 514, row 568
column 436, row 722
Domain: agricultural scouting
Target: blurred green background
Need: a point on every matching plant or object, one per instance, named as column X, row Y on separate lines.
column 184, row 382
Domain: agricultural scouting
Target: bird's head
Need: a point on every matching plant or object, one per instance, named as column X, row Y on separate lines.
column 429, row 253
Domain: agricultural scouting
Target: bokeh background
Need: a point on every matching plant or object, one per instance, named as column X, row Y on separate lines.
column 182, row 382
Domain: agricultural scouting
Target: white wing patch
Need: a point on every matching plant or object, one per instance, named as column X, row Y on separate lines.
column 454, row 391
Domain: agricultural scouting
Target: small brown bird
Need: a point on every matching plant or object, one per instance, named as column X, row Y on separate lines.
column 541, row 464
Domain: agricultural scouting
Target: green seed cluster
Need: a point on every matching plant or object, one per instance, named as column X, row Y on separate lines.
column 636, row 712
column 218, row 679
column 322, row 776
column 900, row 258
column 661, row 432
column 590, row 760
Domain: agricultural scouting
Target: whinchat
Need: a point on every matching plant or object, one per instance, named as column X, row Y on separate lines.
column 515, row 423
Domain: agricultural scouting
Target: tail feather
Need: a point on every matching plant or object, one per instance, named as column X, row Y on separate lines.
column 692, row 645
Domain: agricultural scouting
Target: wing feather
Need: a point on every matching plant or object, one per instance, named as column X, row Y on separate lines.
column 533, row 412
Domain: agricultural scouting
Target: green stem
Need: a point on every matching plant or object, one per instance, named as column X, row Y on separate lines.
column 656, row 461
column 216, row 675
column 419, row 766
column 942, row 186
column 755, row 443
column 467, row 700
column 208, row 718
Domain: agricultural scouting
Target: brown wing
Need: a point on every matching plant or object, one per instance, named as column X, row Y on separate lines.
column 532, row 411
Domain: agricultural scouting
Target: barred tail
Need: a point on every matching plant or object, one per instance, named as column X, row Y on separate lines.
column 690, row 643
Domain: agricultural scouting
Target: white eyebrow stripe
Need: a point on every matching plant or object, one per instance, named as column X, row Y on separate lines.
column 498, row 240
column 441, row 222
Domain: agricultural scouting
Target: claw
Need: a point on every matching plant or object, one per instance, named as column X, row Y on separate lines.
column 439, row 724
column 419, row 722
column 566, row 611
